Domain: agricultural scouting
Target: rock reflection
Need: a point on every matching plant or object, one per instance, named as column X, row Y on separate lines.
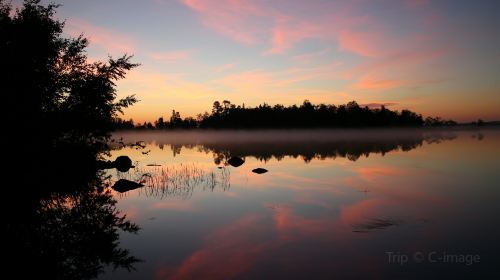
column 375, row 224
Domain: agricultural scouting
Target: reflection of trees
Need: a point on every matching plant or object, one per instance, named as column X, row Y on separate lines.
column 61, row 219
column 305, row 144
column 70, row 234
column 351, row 149
column 83, row 233
column 176, row 149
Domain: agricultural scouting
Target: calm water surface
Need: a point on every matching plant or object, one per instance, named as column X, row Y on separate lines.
column 333, row 204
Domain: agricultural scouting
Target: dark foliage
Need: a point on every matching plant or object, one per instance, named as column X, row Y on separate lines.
column 437, row 121
column 47, row 82
column 307, row 115
column 59, row 217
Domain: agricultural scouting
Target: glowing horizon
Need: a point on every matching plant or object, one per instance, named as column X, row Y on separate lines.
column 438, row 58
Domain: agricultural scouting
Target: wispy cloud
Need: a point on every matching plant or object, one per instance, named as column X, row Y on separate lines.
column 361, row 43
column 289, row 32
column 234, row 19
column 109, row 40
column 257, row 81
column 275, row 23
column 373, row 83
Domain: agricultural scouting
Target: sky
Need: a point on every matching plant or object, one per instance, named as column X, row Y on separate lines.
column 436, row 57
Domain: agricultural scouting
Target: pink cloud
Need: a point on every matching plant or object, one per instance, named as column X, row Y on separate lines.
column 235, row 19
column 110, row 40
column 371, row 83
column 283, row 26
column 361, row 43
column 288, row 33
column 227, row 253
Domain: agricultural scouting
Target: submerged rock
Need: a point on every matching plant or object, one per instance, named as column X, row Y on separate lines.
column 123, row 185
column 259, row 170
column 235, row 161
column 122, row 163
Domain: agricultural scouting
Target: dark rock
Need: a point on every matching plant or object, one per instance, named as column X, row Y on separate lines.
column 123, row 163
column 123, row 185
column 235, row 161
column 259, row 170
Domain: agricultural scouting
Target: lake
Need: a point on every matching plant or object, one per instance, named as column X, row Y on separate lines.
column 347, row 204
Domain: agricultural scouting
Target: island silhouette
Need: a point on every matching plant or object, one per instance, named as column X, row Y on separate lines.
column 226, row 115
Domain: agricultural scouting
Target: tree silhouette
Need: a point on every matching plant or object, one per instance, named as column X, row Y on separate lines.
column 48, row 83
column 307, row 115
column 59, row 109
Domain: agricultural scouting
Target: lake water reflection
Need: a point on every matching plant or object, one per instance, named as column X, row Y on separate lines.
column 334, row 204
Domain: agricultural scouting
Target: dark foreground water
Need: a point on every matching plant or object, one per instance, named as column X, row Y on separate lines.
column 333, row 205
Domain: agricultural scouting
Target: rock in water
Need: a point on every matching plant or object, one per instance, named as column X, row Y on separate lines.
column 123, row 163
column 123, row 185
column 259, row 170
column 235, row 161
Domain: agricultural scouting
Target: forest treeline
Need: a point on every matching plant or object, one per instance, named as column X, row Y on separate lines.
column 306, row 115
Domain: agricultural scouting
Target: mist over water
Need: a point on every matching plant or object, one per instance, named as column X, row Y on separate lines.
column 286, row 135
column 309, row 144
column 350, row 203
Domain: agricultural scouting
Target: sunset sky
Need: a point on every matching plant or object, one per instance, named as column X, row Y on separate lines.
column 435, row 57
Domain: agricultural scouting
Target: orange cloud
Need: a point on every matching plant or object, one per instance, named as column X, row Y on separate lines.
column 108, row 40
column 269, row 81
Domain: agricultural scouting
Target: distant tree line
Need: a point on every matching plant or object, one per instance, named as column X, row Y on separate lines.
column 307, row 115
